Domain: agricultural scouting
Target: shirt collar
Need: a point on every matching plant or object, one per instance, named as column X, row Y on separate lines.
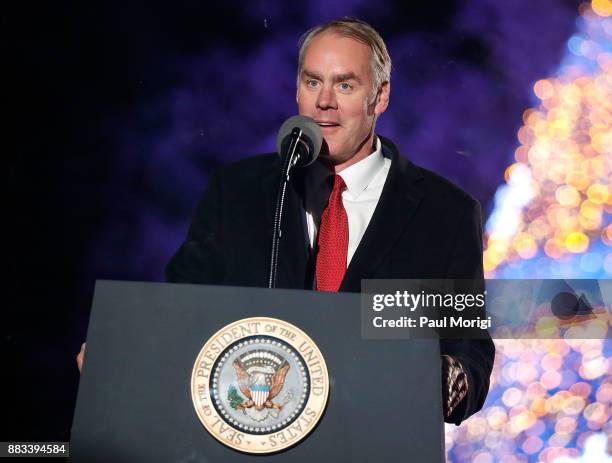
column 358, row 176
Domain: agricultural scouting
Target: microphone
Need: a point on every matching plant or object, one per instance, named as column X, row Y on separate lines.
column 302, row 134
column 298, row 143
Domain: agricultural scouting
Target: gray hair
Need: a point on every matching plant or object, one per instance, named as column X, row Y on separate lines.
column 357, row 30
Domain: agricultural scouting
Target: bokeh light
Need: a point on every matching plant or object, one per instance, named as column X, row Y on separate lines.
column 556, row 203
column 544, row 418
column 549, row 397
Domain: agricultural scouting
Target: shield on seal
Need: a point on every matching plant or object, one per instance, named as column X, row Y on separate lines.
column 259, row 393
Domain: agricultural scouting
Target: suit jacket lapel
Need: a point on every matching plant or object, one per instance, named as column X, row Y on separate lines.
column 294, row 245
column 396, row 206
column 293, row 251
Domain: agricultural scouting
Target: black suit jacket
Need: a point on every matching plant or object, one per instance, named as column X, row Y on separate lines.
column 423, row 227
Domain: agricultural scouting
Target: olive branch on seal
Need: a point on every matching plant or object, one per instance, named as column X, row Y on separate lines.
column 234, row 398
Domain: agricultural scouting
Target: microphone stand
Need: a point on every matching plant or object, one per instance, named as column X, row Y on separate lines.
column 289, row 161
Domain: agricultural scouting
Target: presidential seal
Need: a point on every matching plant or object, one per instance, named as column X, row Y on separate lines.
column 259, row 385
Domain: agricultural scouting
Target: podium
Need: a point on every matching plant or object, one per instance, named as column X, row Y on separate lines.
column 138, row 396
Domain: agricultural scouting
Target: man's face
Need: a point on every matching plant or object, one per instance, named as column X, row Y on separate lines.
column 335, row 89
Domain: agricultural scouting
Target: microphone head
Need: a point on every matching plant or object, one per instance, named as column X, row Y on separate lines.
column 311, row 135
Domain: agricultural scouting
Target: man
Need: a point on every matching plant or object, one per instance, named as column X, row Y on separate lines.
column 360, row 211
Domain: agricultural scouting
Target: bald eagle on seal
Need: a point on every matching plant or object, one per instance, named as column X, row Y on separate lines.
column 260, row 388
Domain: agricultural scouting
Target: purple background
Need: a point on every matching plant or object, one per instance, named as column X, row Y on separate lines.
column 122, row 111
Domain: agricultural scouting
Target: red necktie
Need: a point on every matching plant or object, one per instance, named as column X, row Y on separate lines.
column 333, row 241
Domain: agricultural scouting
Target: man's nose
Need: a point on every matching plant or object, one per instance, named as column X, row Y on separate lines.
column 327, row 98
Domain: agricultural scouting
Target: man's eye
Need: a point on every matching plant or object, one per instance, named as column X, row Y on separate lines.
column 345, row 87
column 311, row 83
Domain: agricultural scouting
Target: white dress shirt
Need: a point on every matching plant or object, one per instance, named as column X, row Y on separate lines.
column 364, row 183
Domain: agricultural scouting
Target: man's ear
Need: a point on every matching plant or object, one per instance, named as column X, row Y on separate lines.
column 382, row 98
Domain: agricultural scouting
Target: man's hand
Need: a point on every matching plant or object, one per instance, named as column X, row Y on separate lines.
column 80, row 356
column 454, row 384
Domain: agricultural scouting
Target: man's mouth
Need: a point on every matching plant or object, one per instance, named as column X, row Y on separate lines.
column 323, row 124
